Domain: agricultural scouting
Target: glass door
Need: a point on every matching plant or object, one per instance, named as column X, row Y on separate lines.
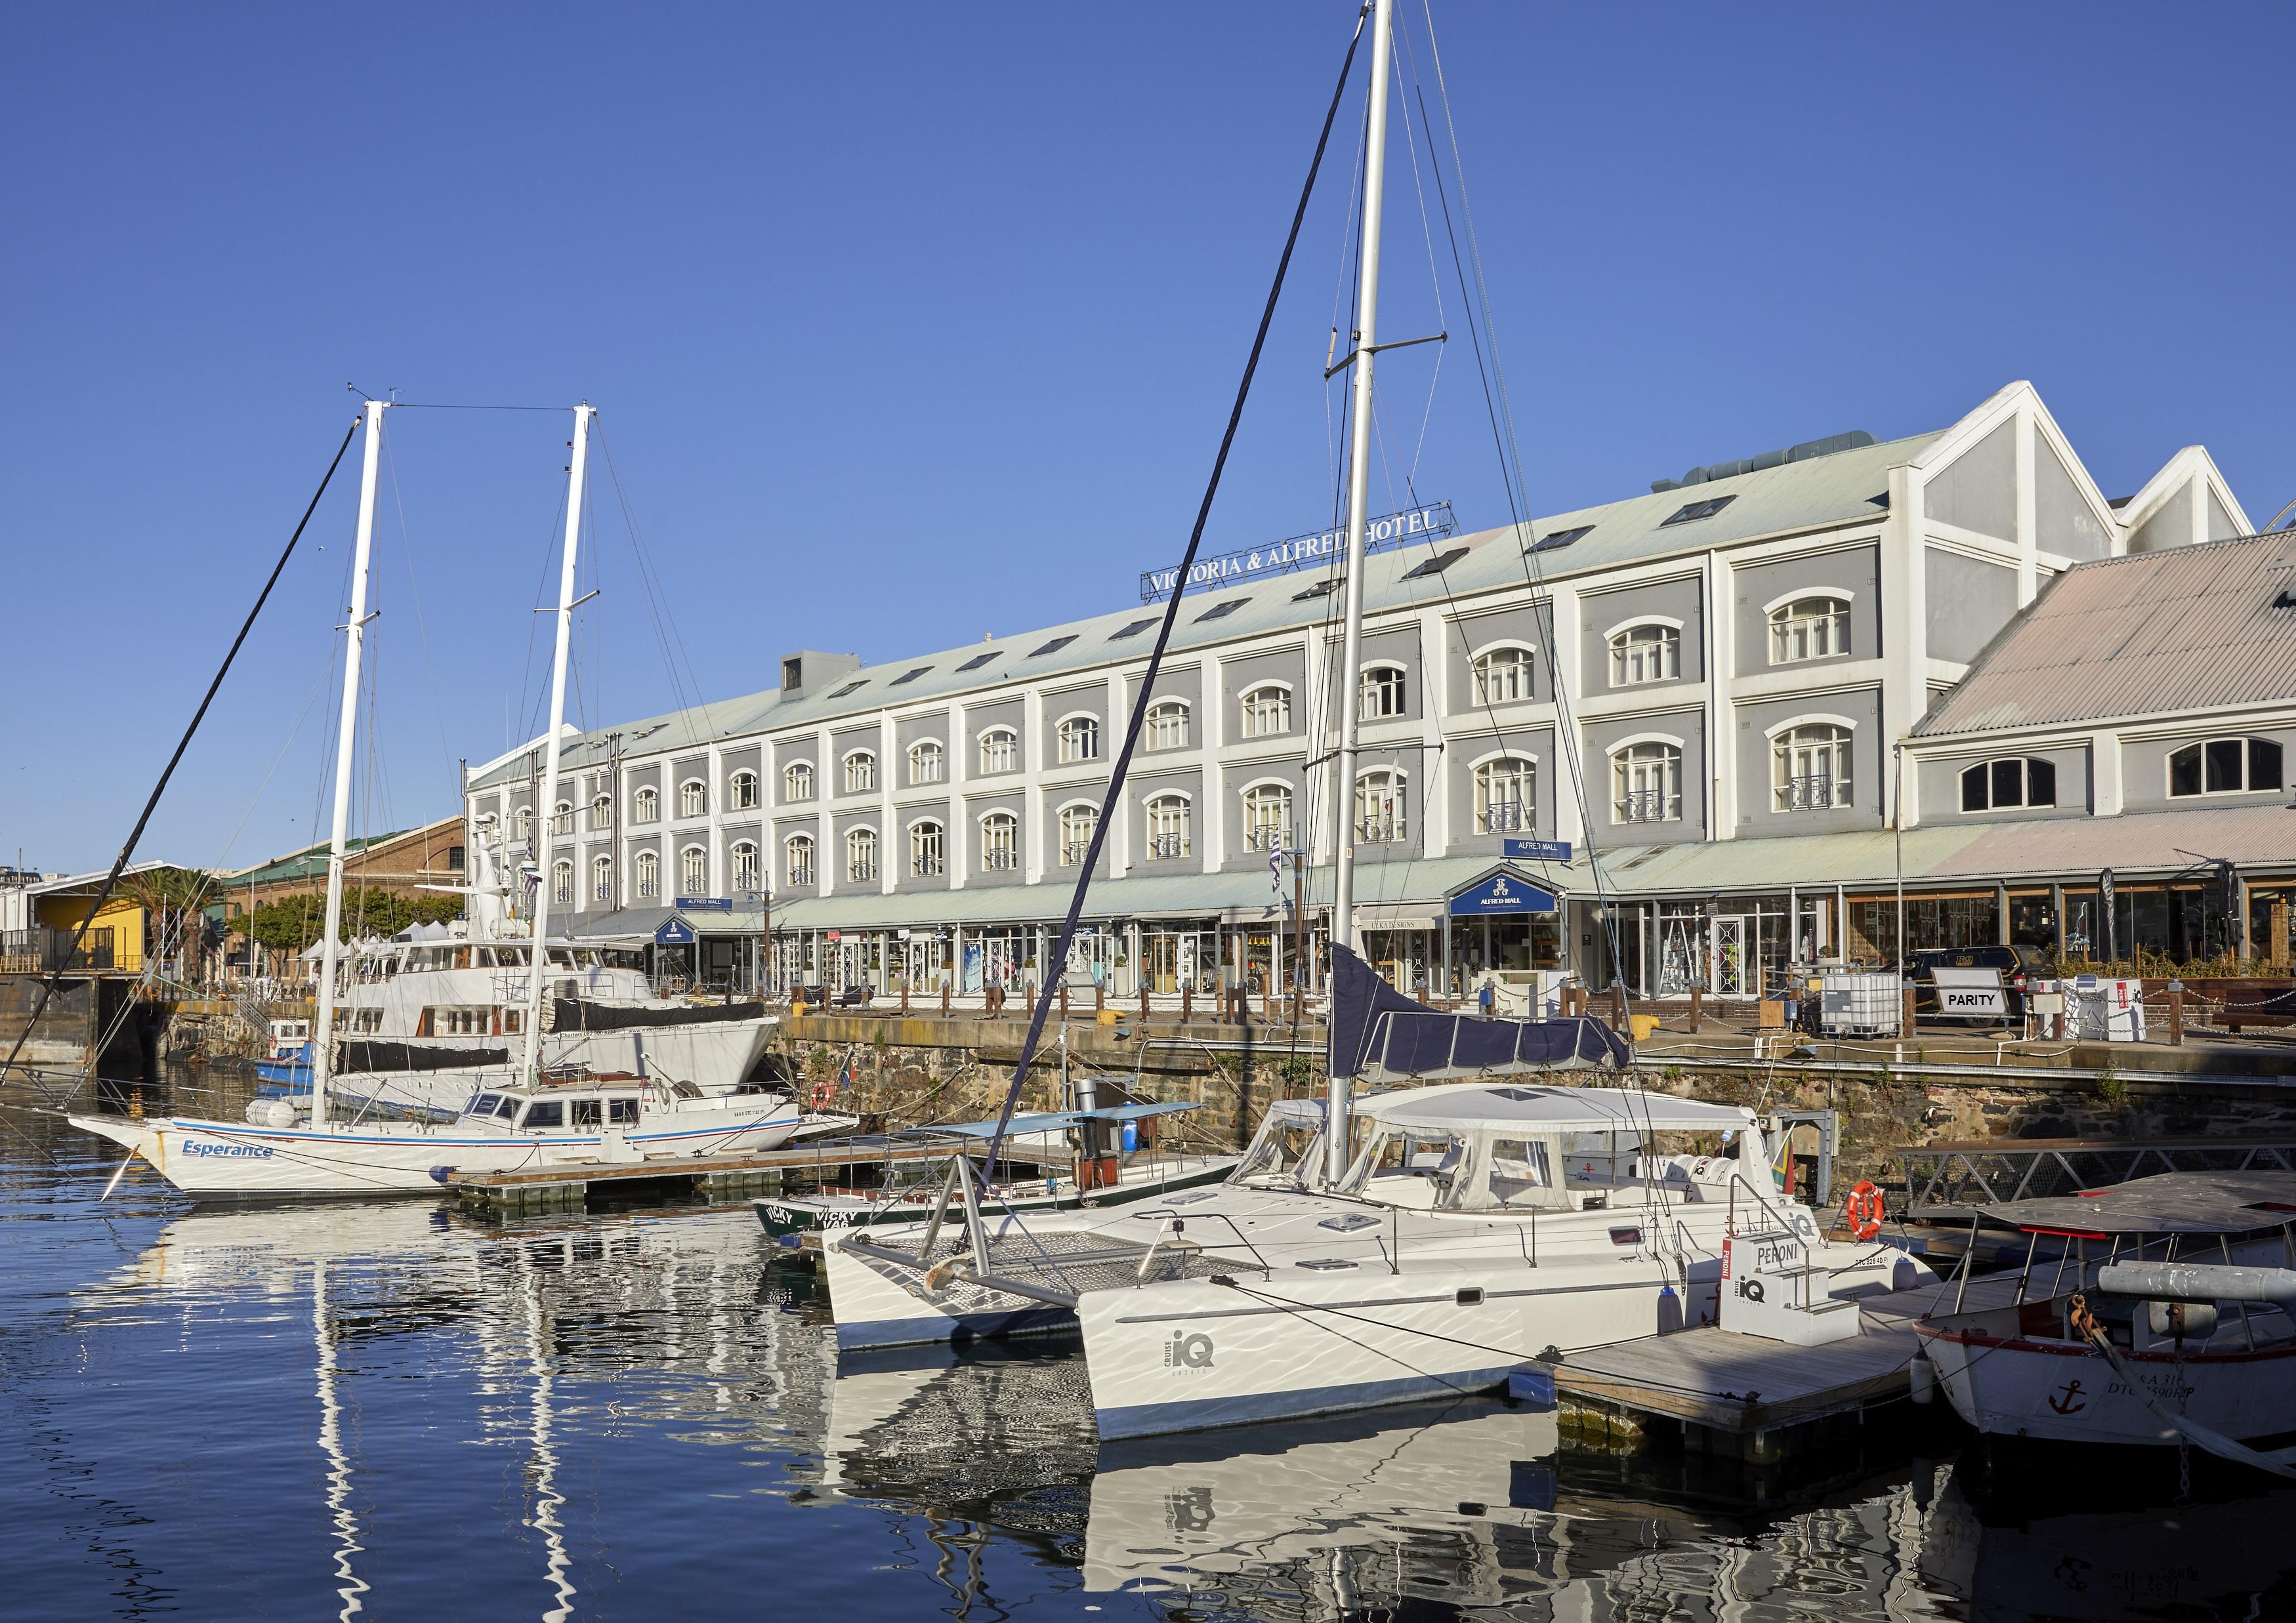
column 1734, row 969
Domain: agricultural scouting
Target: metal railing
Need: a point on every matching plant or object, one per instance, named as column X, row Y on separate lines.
column 1074, row 852
column 1269, row 837
column 1506, row 818
column 1647, row 805
column 927, row 867
column 861, row 871
column 1165, row 847
column 996, row 861
column 1817, row 791
column 1380, row 828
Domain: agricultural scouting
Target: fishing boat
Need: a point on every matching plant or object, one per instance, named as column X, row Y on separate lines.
column 1090, row 1180
column 2152, row 1313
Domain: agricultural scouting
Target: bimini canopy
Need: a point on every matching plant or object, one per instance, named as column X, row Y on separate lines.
column 1378, row 1034
column 1543, row 1111
column 2166, row 1203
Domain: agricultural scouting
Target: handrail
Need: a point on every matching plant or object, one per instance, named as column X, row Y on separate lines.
column 1179, row 1219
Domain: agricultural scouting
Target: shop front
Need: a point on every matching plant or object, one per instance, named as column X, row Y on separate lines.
column 1502, row 922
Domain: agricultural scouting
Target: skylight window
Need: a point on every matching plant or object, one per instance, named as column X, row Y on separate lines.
column 850, row 687
column 1692, row 512
column 1560, row 539
column 1222, row 611
column 1132, row 629
column 1321, row 588
column 979, row 659
column 907, row 677
column 1054, row 646
column 1437, row 564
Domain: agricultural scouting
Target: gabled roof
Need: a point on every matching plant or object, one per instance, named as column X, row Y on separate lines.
column 1810, row 495
column 2186, row 628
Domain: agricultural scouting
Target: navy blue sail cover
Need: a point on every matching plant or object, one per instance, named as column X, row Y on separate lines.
column 1378, row 1034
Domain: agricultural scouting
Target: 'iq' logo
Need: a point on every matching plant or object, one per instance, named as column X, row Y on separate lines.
column 1188, row 1351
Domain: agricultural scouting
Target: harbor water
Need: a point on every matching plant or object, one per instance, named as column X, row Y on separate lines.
column 395, row 1411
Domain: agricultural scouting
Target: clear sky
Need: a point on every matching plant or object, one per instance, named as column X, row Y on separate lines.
column 909, row 323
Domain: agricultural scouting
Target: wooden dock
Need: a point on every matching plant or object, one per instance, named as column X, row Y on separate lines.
column 707, row 1178
column 1746, row 1398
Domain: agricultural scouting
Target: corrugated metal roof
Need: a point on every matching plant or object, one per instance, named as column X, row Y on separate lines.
column 1823, row 490
column 2188, row 628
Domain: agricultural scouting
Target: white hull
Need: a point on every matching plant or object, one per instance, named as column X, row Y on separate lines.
column 223, row 1160
column 2063, row 1392
column 1138, row 1182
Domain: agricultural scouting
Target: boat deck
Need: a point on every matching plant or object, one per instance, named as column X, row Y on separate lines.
column 712, row 1178
column 1744, row 1394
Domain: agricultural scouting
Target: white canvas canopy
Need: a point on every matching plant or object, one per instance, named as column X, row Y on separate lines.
column 1479, row 1108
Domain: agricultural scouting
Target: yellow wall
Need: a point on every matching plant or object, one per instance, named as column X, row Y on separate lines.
column 121, row 917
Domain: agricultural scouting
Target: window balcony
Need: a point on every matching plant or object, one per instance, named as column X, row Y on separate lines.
column 927, row 867
column 862, row 873
column 1506, row 818
column 1169, row 848
column 1817, row 793
column 1074, row 852
column 1268, row 837
column 999, row 862
column 1647, row 805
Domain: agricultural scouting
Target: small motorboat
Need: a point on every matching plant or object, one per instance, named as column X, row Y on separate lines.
column 2118, row 1332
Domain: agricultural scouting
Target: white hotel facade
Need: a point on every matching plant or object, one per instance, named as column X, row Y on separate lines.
column 1745, row 755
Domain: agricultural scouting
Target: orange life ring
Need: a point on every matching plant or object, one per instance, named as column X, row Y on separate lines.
column 1862, row 1212
column 824, row 1095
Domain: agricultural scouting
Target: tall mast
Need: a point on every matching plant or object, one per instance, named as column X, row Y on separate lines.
column 547, row 810
column 346, row 743
column 1364, row 349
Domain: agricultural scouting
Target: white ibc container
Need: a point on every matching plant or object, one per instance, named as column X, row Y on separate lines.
column 1860, row 1005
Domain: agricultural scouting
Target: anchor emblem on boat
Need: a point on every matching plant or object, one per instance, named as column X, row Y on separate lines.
column 2070, row 1401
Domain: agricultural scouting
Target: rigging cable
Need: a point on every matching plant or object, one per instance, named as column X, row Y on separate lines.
column 1051, row 982
column 128, row 851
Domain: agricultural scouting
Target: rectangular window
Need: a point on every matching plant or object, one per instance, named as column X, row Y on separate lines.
column 545, row 1113
column 1694, row 511
column 1560, row 538
column 907, row 677
column 979, row 659
column 587, row 1111
column 1133, row 629
column 622, row 1112
column 1054, row 646
column 2009, row 782
column 2224, row 765
column 1220, row 611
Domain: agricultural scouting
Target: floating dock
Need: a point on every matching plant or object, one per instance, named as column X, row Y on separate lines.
column 1747, row 1399
column 709, row 1178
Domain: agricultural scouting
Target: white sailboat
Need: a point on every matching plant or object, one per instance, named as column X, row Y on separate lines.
column 538, row 1118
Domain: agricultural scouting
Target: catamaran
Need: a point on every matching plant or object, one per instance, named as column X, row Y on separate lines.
column 538, row 1116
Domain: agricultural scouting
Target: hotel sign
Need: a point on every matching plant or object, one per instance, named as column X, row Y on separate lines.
column 1430, row 522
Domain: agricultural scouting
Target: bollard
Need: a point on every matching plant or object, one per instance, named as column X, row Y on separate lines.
column 1619, row 1007
column 1187, row 1003
column 1697, row 1007
column 2176, row 1014
column 905, row 997
column 1064, row 1002
column 1906, row 1015
column 1144, row 1003
column 1100, row 1000
column 944, row 999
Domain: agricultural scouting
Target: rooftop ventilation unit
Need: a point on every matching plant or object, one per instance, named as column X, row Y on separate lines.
column 1804, row 452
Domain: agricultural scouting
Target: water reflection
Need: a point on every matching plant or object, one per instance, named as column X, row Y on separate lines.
column 388, row 1410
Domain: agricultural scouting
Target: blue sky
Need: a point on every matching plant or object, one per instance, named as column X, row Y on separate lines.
column 908, row 323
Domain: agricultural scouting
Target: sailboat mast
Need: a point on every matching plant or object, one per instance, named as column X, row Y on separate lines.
column 547, row 811
column 1359, row 448
column 346, row 744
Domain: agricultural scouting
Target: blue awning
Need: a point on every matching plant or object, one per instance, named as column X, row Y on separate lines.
column 1502, row 893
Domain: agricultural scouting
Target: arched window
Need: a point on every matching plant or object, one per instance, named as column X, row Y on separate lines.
column 1000, row 750
column 797, row 859
column 927, row 850
column 1378, row 695
column 601, row 879
column 1808, row 629
column 1267, row 711
column 561, row 818
column 602, row 813
column 743, row 790
column 1645, row 653
column 860, row 772
column 649, row 875
column 1505, row 796
column 1167, row 724
column 1079, row 737
column 745, row 866
column 1000, row 843
column 2018, row 781
column 562, row 884
column 1379, row 807
column 1169, row 835
column 926, row 761
column 1809, row 768
column 646, row 805
column 1268, row 817
column 522, row 822
column 1502, row 675
column 692, row 799
column 2225, row 766
column 693, row 872
column 1646, row 783
column 797, row 781
column 861, row 855
column 1076, row 825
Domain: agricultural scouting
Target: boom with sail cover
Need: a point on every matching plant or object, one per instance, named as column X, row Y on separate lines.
column 1378, row 1036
